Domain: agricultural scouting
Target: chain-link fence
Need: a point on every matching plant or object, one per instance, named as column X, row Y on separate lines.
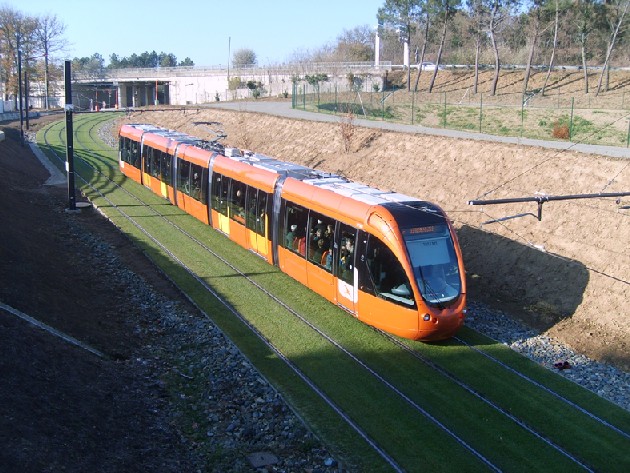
column 589, row 119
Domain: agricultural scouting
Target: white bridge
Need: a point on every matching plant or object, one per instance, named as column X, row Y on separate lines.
column 120, row 88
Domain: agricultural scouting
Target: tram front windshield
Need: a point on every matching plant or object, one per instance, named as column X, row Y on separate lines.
column 434, row 262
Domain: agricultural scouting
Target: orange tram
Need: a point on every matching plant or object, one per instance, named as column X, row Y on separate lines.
column 390, row 260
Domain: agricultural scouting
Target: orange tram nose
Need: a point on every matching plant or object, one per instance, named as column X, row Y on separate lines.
column 439, row 327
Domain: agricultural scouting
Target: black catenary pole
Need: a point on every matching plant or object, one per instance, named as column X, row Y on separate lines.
column 72, row 205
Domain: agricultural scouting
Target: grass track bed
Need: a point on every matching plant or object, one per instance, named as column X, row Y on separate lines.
column 352, row 376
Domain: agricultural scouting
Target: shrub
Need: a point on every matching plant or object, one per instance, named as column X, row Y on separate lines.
column 560, row 131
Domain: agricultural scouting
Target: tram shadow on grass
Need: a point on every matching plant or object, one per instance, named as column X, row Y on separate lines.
column 540, row 288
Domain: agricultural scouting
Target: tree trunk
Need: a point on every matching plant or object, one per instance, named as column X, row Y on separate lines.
column 421, row 58
column 495, row 49
column 530, row 57
column 439, row 55
column 553, row 50
column 477, row 52
column 584, row 65
column 611, row 45
column 408, row 72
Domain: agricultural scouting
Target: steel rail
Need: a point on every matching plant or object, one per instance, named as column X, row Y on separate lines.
column 381, row 452
column 546, row 389
column 370, row 370
column 486, row 400
column 345, row 351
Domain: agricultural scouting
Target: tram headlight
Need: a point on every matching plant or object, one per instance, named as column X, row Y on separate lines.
column 426, row 317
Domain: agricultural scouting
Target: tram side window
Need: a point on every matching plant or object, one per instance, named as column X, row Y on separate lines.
column 183, row 176
column 236, row 201
column 347, row 243
column 387, row 278
column 220, row 185
column 165, row 167
column 129, row 151
column 124, row 147
column 294, row 228
column 134, row 154
column 147, row 151
column 154, row 157
column 256, row 210
column 321, row 234
column 198, row 180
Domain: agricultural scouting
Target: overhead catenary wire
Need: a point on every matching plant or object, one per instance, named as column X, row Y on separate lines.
column 553, row 156
column 528, row 243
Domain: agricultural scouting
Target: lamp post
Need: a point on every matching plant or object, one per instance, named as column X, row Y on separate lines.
column 20, row 96
column 26, row 105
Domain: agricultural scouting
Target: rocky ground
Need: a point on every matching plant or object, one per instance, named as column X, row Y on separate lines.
column 170, row 393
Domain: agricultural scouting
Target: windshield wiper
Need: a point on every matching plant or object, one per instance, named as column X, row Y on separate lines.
column 429, row 290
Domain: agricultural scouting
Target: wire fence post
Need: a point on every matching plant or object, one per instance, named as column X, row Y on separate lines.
column 480, row 110
column 522, row 113
column 571, row 119
column 444, row 121
column 383, row 105
column 413, row 99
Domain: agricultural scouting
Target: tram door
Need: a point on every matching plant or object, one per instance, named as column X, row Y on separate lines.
column 257, row 220
column 146, row 165
column 345, row 270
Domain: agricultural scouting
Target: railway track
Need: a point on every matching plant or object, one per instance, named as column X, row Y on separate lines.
column 408, row 404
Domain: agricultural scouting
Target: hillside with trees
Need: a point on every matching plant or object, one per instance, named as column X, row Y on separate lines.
column 490, row 33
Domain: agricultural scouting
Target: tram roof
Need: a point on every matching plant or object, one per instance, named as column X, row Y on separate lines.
column 323, row 180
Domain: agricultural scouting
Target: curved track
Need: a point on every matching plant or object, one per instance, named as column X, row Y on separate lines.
column 107, row 170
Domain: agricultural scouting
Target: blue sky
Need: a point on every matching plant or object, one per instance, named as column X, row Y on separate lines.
column 203, row 30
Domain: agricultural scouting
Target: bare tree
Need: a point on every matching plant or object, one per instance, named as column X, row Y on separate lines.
column 402, row 15
column 499, row 10
column 17, row 35
column 49, row 39
column 616, row 12
column 244, row 57
column 586, row 17
column 425, row 21
column 556, row 25
column 535, row 20
column 445, row 9
column 478, row 13
column 355, row 45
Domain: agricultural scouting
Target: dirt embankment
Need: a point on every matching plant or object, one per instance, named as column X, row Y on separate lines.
column 568, row 274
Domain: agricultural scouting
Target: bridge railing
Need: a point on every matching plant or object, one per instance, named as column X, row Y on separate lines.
column 197, row 71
